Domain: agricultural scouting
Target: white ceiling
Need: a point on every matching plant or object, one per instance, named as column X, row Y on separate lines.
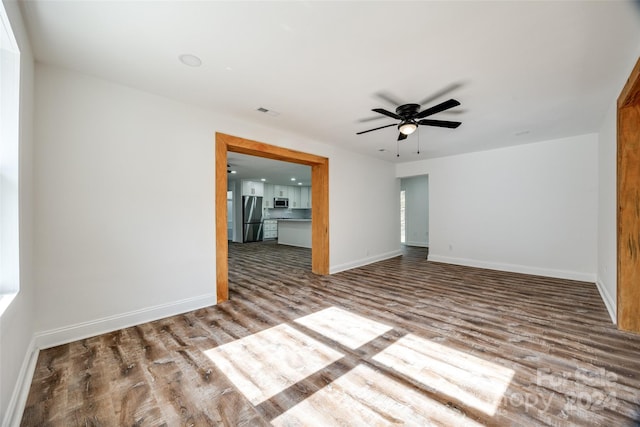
column 272, row 171
column 524, row 71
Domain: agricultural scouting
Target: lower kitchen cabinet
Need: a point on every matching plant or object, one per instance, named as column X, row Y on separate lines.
column 270, row 227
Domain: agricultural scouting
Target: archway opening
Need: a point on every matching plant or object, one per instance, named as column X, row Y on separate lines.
column 319, row 202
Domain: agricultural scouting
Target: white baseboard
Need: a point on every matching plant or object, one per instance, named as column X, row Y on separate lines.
column 13, row 416
column 609, row 301
column 364, row 261
column 67, row 334
column 514, row 268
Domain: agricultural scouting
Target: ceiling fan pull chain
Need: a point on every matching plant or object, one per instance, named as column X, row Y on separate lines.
column 418, row 140
column 397, row 148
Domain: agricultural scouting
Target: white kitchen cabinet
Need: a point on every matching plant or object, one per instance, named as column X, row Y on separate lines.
column 252, row 188
column 294, row 197
column 299, row 196
column 269, row 190
column 305, row 197
column 270, row 227
column 281, row 191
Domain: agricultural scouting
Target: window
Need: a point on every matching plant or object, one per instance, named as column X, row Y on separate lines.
column 9, row 126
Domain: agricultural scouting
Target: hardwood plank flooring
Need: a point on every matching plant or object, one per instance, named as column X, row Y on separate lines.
column 404, row 341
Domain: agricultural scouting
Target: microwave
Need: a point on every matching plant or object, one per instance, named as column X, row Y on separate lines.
column 279, row 202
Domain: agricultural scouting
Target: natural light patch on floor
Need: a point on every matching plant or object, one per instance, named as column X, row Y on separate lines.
column 344, row 327
column 366, row 397
column 474, row 381
column 266, row 363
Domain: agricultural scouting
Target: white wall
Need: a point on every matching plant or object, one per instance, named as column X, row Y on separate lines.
column 16, row 324
column 364, row 206
column 607, row 208
column 124, row 194
column 125, row 207
column 416, row 210
column 529, row 208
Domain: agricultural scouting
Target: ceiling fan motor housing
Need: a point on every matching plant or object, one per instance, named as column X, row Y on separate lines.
column 407, row 111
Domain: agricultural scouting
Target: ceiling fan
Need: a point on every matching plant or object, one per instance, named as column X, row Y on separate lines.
column 411, row 117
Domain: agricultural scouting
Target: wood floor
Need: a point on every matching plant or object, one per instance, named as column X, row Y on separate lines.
column 401, row 342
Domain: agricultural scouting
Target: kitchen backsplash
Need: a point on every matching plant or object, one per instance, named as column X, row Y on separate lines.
column 270, row 213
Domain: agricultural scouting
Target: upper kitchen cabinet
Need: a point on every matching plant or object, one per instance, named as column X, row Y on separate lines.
column 281, row 191
column 294, row 197
column 299, row 196
column 252, row 188
column 269, row 194
column 305, row 197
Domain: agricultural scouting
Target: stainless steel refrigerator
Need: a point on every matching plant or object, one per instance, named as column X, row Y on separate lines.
column 252, row 219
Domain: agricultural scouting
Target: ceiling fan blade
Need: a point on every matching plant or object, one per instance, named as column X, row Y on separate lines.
column 440, row 123
column 370, row 119
column 371, row 130
column 386, row 96
column 437, row 108
column 401, row 136
column 443, row 92
column 387, row 113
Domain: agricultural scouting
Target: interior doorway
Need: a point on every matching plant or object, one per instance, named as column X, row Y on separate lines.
column 414, row 211
column 319, row 202
column 628, row 136
column 403, row 217
column 267, row 180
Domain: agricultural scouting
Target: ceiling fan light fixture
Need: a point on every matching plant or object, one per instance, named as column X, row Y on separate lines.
column 407, row 128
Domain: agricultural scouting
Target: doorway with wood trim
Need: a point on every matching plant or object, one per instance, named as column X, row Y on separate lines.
column 628, row 136
column 319, row 202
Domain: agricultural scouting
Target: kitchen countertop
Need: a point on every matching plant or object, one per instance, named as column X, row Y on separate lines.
column 294, row 219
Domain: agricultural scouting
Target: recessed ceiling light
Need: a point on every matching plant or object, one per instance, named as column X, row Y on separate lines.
column 262, row 179
column 234, row 171
column 190, row 60
column 299, row 183
column 293, row 179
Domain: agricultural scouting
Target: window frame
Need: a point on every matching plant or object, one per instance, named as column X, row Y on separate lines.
column 9, row 162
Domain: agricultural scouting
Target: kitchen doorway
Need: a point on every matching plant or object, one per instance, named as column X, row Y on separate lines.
column 281, row 189
column 319, row 202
